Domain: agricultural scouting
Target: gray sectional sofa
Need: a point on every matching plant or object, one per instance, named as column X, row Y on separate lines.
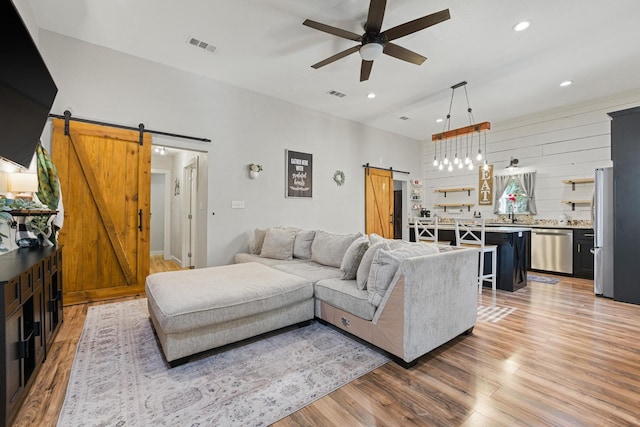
column 405, row 298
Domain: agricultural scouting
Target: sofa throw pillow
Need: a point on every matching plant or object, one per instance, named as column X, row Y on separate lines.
column 278, row 244
column 393, row 243
column 362, row 274
column 385, row 265
column 302, row 244
column 374, row 239
column 255, row 247
column 352, row 258
column 329, row 249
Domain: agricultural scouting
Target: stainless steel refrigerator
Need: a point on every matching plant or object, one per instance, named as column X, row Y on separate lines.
column 603, row 230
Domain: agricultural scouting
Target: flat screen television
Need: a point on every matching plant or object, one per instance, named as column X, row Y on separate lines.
column 27, row 90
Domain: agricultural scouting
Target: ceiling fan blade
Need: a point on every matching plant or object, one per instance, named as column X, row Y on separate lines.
column 339, row 32
column 376, row 14
column 365, row 70
column 416, row 25
column 400, row 52
column 336, row 57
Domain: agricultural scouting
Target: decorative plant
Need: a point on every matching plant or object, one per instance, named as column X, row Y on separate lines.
column 40, row 225
column 7, row 205
column 253, row 167
column 4, row 219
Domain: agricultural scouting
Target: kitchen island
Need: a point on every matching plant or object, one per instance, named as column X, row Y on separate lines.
column 514, row 252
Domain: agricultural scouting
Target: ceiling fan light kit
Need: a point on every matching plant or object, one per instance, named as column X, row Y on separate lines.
column 375, row 42
column 371, row 51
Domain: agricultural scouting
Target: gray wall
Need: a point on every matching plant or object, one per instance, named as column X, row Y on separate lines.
column 244, row 127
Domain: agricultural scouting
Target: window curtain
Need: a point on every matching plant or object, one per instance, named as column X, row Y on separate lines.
column 528, row 183
column 500, row 183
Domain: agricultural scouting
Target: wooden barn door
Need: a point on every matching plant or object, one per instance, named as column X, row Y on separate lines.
column 105, row 177
column 378, row 202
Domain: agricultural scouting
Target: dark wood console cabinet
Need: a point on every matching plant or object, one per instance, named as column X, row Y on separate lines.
column 31, row 305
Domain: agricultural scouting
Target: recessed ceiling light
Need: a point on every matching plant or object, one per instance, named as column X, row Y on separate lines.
column 566, row 83
column 371, row 95
column 521, row 26
column 439, row 120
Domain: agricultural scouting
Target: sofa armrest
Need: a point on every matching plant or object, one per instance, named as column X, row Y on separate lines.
column 439, row 299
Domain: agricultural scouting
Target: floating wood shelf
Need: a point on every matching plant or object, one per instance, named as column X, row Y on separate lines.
column 454, row 205
column 454, row 190
column 573, row 203
column 31, row 212
column 575, row 181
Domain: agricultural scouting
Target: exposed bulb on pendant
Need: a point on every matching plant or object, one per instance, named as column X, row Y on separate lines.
column 467, row 160
column 479, row 156
column 470, row 166
column 455, row 160
column 460, row 165
column 450, row 168
column 440, row 166
column 446, row 160
column 435, row 161
column 485, row 167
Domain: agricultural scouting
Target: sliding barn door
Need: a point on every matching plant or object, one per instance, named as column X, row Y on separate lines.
column 378, row 198
column 105, row 177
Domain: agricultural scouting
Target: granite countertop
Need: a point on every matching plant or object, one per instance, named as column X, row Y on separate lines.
column 586, row 225
column 491, row 229
column 569, row 226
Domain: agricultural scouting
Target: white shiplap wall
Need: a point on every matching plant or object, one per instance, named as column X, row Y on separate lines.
column 559, row 145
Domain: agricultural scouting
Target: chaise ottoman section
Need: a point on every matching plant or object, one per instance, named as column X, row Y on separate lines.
column 197, row 310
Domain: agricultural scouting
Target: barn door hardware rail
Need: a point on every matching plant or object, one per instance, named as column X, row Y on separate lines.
column 390, row 169
column 67, row 118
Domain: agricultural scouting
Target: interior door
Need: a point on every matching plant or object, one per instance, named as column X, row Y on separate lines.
column 378, row 202
column 190, row 220
column 397, row 213
column 105, row 178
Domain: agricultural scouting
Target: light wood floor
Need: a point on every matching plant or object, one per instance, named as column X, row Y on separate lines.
column 561, row 357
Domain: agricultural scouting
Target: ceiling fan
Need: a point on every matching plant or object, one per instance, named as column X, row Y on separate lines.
column 374, row 42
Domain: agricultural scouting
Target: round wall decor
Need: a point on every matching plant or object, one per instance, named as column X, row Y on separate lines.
column 338, row 177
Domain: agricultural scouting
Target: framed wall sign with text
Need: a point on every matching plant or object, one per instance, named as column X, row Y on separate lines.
column 299, row 180
column 485, row 185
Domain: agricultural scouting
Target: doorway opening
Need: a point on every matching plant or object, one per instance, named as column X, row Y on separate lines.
column 178, row 200
column 400, row 209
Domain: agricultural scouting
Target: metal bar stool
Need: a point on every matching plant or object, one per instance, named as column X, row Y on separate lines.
column 471, row 232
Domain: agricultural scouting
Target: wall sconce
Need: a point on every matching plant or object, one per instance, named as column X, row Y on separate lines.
column 254, row 170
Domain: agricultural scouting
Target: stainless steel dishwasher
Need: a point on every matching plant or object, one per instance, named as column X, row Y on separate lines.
column 552, row 250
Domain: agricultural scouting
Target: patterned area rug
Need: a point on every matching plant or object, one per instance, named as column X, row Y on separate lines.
column 542, row 279
column 119, row 377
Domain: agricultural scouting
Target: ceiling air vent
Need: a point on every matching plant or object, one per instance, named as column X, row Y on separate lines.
column 202, row 45
column 336, row 93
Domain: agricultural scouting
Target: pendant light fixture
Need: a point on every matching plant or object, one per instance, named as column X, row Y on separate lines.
column 448, row 137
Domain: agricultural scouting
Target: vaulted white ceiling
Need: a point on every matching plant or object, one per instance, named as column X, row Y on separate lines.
column 261, row 45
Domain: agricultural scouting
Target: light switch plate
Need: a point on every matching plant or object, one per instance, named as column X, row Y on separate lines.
column 237, row 204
